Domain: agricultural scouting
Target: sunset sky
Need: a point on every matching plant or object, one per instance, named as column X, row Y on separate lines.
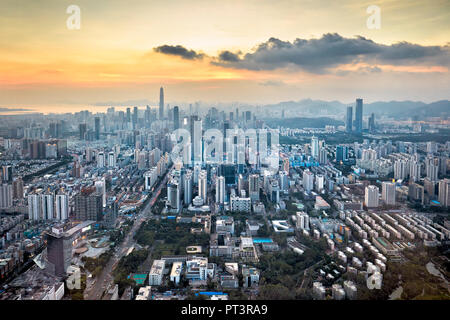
column 253, row 51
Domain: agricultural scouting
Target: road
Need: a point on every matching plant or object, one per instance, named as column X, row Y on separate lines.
column 94, row 290
column 306, row 270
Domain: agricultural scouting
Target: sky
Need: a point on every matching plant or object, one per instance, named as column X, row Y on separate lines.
column 249, row 51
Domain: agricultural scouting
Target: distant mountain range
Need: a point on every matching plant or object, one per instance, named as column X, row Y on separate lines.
column 391, row 108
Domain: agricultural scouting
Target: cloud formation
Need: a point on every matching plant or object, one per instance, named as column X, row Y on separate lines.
column 322, row 55
column 331, row 50
column 179, row 51
column 228, row 56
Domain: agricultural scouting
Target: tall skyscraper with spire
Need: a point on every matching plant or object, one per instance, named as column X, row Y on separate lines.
column 161, row 103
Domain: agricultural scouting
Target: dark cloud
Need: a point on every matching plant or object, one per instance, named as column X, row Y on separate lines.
column 228, row 56
column 331, row 50
column 179, row 51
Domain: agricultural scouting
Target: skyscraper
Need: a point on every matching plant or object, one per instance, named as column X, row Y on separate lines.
column 349, row 119
column 187, row 186
column 34, row 207
column 82, row 130
column 176, row 118
column 6, row 195
column 341, row 153
column 220, row 190
column 128, row 115
column 371, row 197
column 161, row 103
column 59, row 252
column 444, row 192
column 62, row 206
column 135, row 117
column 173, row 193
column 308, row 180
column 253, row 187
column 197, row 140
column 359, row 116
column 97, row 128
column 88, row 205
column 47, row 206
column 372, row 122
column 202, row 185
column 388, row 193
column 400, row 169
column 315, row 147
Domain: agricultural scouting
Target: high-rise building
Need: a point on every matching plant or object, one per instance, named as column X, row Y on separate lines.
column 400, row 169
column 101, row 161
column 220, row 190
column 416, row 192
column 388, row 193
column 18, row 188
column 202, row 185
column 274, row 191
column 128, row 115
column 320, row 182
column 241, row 184
column 62, row 207
column 444, row 192
column 47, row 206
column 372, row 122
column 432, row 169
column 315, row 147
column 176, row 117
column 341, row 153
column 6, row 195
column 323, row 155
column 286, row 164
column 302, row 220
column 253, row 187
column 349, row 120
column 7, row 173
column 432, row 147
column 284, row 181
column 97, row 128
column 100, row 188
column 174, row 193
column 161, row 103
column 443, row 165
column 414, row 171
column 111, row 159
column 82, row 128
column 371, row 196
column 308, row 180
column 135, row 117
column 34, row 207
column 187, row 187
column 59, row 252
column 197, row 142
column 429, row 186
column 88, row 205
column 359, row 116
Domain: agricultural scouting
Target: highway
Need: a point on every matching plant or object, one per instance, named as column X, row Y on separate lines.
column 96, row 287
